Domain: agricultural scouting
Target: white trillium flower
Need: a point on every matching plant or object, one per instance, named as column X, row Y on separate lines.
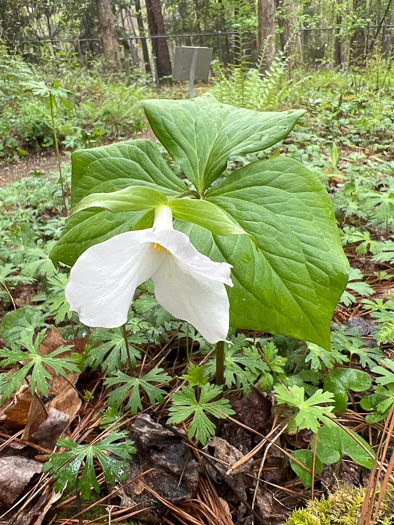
column 188, row 284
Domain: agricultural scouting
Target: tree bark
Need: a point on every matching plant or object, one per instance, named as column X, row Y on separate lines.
column 338, row 42
column 141, row 30
column 108, row 35
column 357, row 40
column 266, row 30
column 160, row 46
column 289, row 36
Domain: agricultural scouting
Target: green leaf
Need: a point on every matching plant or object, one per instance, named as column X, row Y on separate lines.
column 380, row 403
column 206, row 214
column 105, row 170
column 133, row 198
column 357, row 285
column 201, row 134
column 319, row 358
column 309, row 415
column 33, row 365
column 342, row 380
column 57, row 303
column 90, row 227
column 292, row 283
column 196, row 375
column 243, row 364
column 185, row 405
column 333, row 443
column 386, row 374
column 306, row 458
column 65, row 466
column 111, row 351
column 16, row 322
column 130, row 387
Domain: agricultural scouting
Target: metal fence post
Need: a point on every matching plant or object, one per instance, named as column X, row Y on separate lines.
column 157, row 80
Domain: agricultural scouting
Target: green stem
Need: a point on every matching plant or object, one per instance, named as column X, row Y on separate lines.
column 187, row 193
column 220, row 363
column 127, row 349
column 57, row 154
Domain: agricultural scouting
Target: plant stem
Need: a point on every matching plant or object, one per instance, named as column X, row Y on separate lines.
column 220, row 363
column 127, row 349
column 57, row 154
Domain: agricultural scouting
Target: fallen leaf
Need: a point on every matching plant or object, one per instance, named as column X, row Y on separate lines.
column 51, row 429
column 15, row 474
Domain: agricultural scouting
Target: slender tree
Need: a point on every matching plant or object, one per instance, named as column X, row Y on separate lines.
column 266, row 30
column 141, row 30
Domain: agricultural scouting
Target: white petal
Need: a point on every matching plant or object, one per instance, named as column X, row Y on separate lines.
column 104, row 278
column 202, row 303
column 190, row 260
column 163, row 218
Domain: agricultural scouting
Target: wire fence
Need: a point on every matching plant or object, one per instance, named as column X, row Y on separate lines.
column 317, row 45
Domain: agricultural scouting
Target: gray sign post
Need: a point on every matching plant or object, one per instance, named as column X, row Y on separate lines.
column 191, row 63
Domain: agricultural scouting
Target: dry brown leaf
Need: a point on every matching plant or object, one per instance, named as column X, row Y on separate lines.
column 15, row 474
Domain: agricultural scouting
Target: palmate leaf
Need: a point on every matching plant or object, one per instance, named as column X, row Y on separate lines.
column 57, row 303
column 309, row 415
column 242, row 366
column 65, row 466
column 33, row 365
column 185, row 405
column 356, row 284
column 386, row 372
column 16, row 322
column 319, row 358
column 112, row 353
column 128, row 387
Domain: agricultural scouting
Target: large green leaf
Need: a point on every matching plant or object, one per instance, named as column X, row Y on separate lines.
column 291, row 284
column 112, row 168
column 201, row 134
column 104, row 170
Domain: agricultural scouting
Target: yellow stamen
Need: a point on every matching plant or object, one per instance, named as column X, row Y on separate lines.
column 157, row 247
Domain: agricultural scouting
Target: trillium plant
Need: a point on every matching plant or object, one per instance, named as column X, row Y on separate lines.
column 257, row 249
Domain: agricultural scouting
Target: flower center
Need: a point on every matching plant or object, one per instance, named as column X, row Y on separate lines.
column 158, row 247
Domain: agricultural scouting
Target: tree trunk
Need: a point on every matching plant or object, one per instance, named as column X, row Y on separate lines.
column 357, row 40
column 289, row 36
column 108, row 35
column 141, row 30
column 338, row 42
column 160, row 46
column 266, row 30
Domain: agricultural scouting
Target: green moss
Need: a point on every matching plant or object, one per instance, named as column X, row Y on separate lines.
column 342, row 508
